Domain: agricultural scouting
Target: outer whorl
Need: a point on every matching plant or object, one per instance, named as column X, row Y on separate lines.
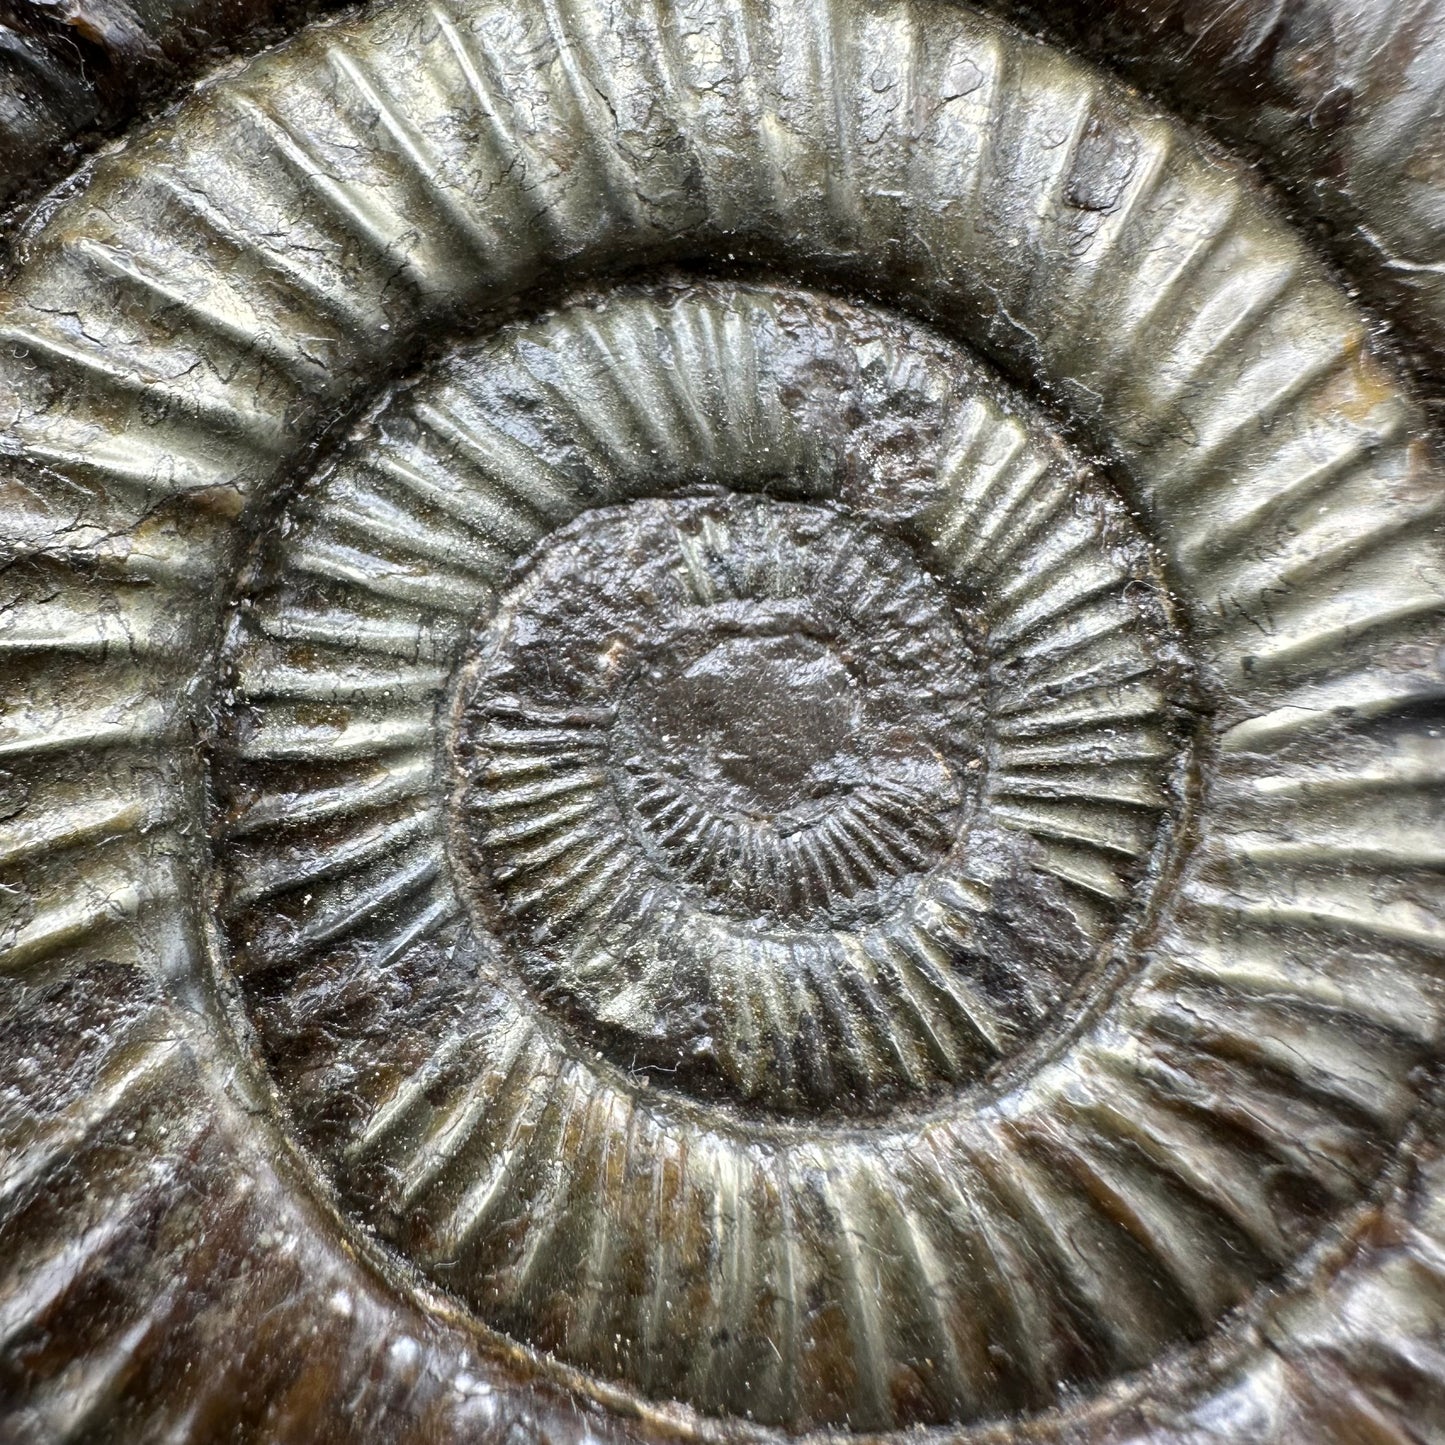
column 719, row 722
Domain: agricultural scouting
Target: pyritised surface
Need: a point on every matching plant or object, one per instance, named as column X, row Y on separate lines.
column 455, row 916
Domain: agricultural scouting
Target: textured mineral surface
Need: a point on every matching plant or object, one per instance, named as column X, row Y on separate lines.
column 722, row 722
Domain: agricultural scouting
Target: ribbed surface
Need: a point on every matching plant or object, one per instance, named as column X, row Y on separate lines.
column 183, row 329
column 1183, row 1149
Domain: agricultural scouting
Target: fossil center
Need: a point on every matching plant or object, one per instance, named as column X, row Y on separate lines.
column 696, row 731
column 763, row 724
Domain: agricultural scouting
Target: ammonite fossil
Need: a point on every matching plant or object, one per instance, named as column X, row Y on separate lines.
column 722, row 722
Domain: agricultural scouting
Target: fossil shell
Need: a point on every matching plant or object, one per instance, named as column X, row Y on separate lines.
column 1339, row 102
column 723, row 722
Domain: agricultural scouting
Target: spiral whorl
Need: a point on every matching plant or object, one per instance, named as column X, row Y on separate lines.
column 728, row 711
